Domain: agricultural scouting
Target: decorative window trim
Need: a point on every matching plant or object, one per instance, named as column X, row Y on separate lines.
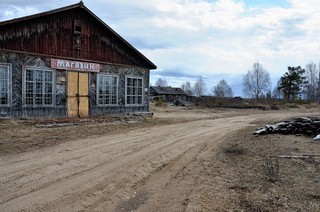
column 9, row 84
column 142, row 90
column 98, row 85
column 24, row 81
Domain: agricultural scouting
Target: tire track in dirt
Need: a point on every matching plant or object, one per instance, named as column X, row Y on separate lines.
column 179, row 180
column 136, row 183
column 166, row 173
column 83, row 172
column 127, row 174
column 37, row 165
column 34, row 189
column 99, row 173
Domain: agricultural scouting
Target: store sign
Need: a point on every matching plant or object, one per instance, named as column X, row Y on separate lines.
column 75, row 65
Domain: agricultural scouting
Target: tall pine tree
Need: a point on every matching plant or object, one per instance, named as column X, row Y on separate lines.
column 291, row 83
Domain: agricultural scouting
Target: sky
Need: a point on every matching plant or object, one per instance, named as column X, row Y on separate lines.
column 214, row 39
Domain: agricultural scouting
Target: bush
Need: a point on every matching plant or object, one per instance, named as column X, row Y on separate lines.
column 159, row 103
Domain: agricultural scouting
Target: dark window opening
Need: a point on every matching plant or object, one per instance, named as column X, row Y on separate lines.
column 77, row 27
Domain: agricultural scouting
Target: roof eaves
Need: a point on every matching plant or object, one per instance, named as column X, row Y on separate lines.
column 25, row 18
column 80, row 5
column 152, row 66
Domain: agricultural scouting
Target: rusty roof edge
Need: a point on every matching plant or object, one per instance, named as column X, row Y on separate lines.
column 80, row 5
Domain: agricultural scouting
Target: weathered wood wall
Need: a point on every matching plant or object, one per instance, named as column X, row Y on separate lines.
column 54, row 35
column 18, row 110
column 122, row 72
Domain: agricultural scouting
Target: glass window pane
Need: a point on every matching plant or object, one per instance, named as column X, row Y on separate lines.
column 140, row 83
column 29, row 75
column 38, row 101
column 107, row 89
column 39, row 75
column 115, row 81
column 3, row 86
column 134, row 91
column 3, row 73
column 29, row 101
column 48, row 88
column 39, row 87
column 114, row 90
column 29, row 87
column 3, row 98
column 48, row 100
column 48, row 76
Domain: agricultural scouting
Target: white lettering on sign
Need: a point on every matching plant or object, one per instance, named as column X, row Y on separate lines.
column 75, row 65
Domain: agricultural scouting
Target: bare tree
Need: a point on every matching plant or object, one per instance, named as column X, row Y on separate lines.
column 199, row 87
column 186, row 86
column 312, row 76
column 161, row 82
column 256, row 82
column 222, row 89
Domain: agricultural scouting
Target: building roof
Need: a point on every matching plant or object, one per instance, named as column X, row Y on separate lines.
column 81, row 5
column 158, row 90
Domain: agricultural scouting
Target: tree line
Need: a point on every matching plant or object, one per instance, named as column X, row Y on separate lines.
column 295, row 83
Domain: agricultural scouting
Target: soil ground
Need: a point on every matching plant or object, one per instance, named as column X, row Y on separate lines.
column 179, row 160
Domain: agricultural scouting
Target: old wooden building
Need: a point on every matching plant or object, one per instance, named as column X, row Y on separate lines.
column 68, row 63
column 167, row 94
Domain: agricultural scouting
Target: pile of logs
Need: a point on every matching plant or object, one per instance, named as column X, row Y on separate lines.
column 298, row 126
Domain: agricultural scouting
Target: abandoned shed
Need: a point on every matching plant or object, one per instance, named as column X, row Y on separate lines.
column 68, row 63
column 167, row 93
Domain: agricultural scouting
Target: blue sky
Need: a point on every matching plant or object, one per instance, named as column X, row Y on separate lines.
column 267, row 3
column 214, row 39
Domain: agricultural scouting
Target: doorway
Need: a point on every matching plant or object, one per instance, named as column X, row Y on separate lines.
column 78, row 98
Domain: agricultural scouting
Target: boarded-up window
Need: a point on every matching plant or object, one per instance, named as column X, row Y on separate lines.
column 4, row 85
column 134, row 90
column 38, row 87
column 107, row 92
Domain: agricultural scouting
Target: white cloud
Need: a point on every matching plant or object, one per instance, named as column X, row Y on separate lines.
column 205, row 37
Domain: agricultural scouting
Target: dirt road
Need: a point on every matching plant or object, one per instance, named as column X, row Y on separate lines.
column 156, row 168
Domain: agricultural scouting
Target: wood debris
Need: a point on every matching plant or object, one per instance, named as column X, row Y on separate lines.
column 297, row 126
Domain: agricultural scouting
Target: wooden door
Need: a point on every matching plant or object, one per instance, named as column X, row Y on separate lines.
column 78, row 99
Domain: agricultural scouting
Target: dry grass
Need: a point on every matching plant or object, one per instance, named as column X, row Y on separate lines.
column 243, row 163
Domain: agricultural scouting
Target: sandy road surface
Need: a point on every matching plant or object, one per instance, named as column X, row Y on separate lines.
column 150, row 169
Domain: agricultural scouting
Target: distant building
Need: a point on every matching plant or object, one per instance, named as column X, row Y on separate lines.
column 68, row 63
column 167, row 94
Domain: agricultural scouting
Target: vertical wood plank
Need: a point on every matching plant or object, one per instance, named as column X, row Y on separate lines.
column 72, row 94
column 83, row 95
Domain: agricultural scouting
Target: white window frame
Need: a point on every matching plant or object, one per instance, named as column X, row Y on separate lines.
column 34, row 87
column 142, row 91
column 110, row 95
column 9, row 81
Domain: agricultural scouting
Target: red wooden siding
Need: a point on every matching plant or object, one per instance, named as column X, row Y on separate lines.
column 53, row 34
